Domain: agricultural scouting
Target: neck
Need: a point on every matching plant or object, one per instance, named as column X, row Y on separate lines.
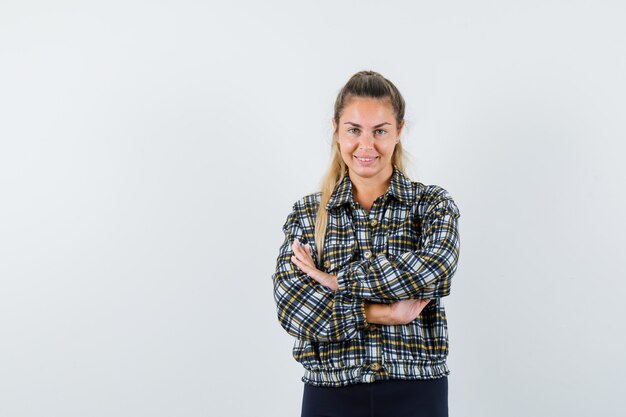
column 371, row 187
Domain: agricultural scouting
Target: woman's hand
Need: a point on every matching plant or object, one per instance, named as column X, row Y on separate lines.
column 400, row 312
column 303, row 259
column 405, row 311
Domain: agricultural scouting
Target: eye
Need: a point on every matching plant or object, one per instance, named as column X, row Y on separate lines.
column 382, row 131
column 352, row 130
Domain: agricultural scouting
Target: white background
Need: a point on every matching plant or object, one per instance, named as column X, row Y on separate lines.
column 151, row 151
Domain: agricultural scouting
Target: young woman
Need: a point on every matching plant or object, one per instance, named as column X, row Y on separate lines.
column 363, row 268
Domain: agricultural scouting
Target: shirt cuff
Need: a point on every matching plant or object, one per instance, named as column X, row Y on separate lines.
column 343, row 285
column 347, row 276
column 343, row 279
column 361, row 320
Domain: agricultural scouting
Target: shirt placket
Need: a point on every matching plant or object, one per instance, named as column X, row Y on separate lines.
column 368, row 236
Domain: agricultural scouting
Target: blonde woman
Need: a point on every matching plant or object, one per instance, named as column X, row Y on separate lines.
column 364, row 266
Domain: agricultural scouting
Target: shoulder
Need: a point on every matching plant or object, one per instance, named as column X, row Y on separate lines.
column 430, row 192
column 307, row 203
column 304, row 211
column 433, row 197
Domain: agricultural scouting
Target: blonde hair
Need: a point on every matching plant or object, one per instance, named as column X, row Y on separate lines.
column 362, row 84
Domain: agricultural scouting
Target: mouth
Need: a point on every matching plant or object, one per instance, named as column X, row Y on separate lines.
column 366, row 160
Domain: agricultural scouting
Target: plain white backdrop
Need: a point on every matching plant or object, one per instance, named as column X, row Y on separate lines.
column 150, row 152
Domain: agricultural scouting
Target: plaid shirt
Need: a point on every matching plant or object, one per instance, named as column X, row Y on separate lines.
column 406, row 247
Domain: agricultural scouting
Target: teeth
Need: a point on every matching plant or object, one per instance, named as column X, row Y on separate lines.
column 365, row 159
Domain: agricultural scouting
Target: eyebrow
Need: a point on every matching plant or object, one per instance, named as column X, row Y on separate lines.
column 358, row 125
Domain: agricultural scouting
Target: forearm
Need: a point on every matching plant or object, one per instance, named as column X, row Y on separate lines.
column 308, row 312
column 411, row 274
column 419, row 274
column 306, row 309
column 376, row 313
column 400, row 312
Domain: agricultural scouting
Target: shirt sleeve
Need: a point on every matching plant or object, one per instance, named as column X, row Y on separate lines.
column 306, row 309
column 424, row 273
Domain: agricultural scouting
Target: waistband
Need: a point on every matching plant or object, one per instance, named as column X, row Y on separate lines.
column 336, row 377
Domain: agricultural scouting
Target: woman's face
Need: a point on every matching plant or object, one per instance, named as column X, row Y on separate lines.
column 367, row 135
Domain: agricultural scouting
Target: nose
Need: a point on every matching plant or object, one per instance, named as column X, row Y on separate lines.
column 366, row 141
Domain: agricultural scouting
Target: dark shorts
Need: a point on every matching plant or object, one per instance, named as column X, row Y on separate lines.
column 385, row 398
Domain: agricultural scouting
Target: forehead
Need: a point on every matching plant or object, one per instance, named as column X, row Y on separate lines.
column 365, row 110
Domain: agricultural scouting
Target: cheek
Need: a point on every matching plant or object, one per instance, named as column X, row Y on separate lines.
column 347, row 149
column 386, row 149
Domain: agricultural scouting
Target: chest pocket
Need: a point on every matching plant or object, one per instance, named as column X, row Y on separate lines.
column 340, row 242
column 338, row 254
column 403, row 238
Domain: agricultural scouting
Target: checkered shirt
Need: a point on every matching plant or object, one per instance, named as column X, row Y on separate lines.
column 406, row 247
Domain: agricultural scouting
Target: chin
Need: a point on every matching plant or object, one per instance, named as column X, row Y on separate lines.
column 365, row 172
column 368, row 172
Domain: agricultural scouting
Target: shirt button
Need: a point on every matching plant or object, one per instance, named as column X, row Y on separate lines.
column 326, row 264
column 375, row 367
column 367, row 254
column 374, row 222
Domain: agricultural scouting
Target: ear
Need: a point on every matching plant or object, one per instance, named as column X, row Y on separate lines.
column 332, row 119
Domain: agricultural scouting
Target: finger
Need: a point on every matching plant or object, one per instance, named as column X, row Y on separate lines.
column 308, row 260
column 301, row 265
column 296, row 253
column 295, row 246
column 303, row 259
column 304, row 256
column 310, row 272
column 298, row 250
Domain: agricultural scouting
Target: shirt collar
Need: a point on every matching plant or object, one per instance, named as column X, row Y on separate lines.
column 400, row 188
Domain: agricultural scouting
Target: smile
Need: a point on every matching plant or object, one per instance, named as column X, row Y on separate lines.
column 365, row 159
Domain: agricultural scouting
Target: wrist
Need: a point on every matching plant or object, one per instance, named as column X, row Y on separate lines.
column 331, row 281
column 378, row 313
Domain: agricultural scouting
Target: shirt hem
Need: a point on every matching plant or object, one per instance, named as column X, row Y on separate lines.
column 362, row 374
